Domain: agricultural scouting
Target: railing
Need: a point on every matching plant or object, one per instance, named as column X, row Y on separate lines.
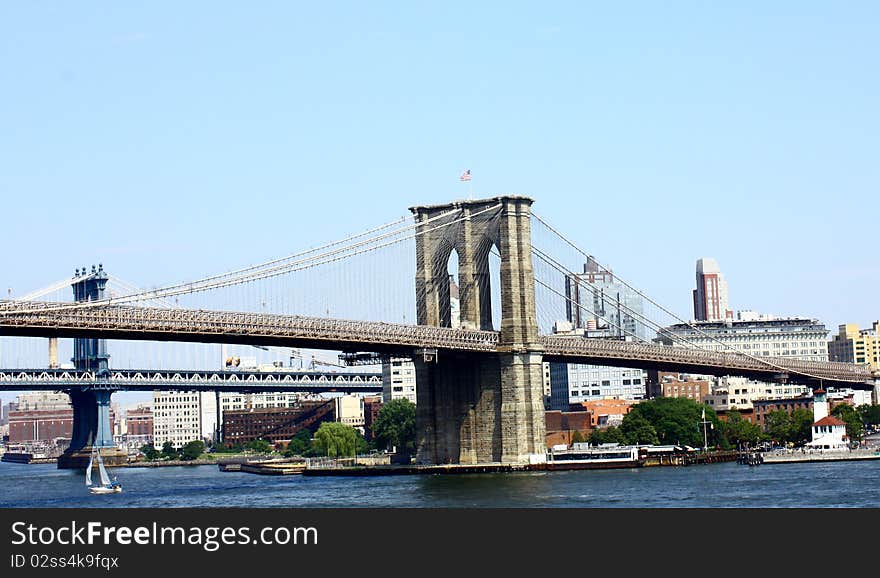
column 138, row 322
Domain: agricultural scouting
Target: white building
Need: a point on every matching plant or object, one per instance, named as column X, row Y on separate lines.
column 183, row 416
column 398, row 379
column 795, row 337
column 738, row 393
column 349, row 409
column 828, row 432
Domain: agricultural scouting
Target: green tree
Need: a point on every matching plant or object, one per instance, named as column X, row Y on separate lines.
column 676, row 420
column 801, row 426
column 396, row 426
column 577, row 437
column 335, row 439
column 870, row 414
column 853, row 419
column 192, row 450
column 637, row 430
column 150, row 453
column 779, row 426
column 259, row 446
column 738, row 430
column 169, row 451
column 299, row 444
column 609, row 435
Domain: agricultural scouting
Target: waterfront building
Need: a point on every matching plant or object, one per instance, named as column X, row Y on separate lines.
column 854, row 345
column 560, row 426
column 764, row 407
column 398, row 379
column 349, row 409
column 677, row 385
column 276, row 425
column 710, row 296
column 740, row 393
column 41, row 417
column 183, row 416
column 607, row 412
column 574, row 383
column 794, row 337
column 828, row 432
column 372, row 407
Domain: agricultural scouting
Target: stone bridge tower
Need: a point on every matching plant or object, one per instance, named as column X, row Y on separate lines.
column 479, row 408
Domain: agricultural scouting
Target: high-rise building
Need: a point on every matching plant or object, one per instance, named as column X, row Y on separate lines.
column 710, row 296
column 398, row 379
column 597, row 300
column 854, row 345
column 183, row 416
column 349, row 409
column 598, row 305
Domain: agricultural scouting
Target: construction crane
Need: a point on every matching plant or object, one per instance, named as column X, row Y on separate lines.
column 313, row 363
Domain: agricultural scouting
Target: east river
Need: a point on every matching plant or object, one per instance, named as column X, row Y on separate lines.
column 724, row 485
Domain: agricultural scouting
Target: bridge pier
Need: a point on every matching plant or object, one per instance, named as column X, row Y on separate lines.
column 480, row 408
column 91, row 407
column 91, row 428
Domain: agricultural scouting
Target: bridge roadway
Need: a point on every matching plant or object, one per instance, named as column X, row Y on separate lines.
column 46, row 319
column 224, row 381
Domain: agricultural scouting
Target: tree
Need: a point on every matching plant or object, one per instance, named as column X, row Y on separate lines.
column 638, row 430
column 396, row 426
column 676, row 420
column 852, row 418
column 577, row 437
column 870, row 414
column 299, row 444
column 259, row 446
column 192, row 450
column 335, row 439
column 801, row 426
column 609, row 435
column 779, row 426
column 738, row 430
column 150, row 453
column 169, row 451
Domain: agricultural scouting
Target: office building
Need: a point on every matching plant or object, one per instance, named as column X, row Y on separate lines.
column 710, row 296
column 854, row 345
column 398, row 379
column 183, row 416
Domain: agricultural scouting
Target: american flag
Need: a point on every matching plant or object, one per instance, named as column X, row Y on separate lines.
column 465, row 176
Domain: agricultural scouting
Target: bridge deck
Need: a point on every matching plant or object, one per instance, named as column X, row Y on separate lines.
column 143, row 323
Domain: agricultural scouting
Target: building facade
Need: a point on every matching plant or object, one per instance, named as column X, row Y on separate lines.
column 41, row 417
column 276, row 425
column 796, row 338
column 349, row 409
column 740, row 393
column 854, row 345
column 180, row 417
column 710, row 296
column 398, row 379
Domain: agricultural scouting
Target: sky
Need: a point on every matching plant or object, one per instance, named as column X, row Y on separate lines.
column 173, row 140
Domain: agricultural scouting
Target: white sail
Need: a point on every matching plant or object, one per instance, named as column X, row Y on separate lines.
column 105, row 479
column 89, row 470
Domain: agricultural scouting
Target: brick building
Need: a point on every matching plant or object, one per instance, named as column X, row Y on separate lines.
column 277, row 424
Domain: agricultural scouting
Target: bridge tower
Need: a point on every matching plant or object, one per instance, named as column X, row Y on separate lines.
column 478, row 408
column 91, row 407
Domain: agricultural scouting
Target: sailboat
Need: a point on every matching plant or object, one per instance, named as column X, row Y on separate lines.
column 107, row 486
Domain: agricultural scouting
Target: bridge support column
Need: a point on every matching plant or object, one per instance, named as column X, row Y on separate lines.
column 91, row 428
column 480, row 408
column 485, row 409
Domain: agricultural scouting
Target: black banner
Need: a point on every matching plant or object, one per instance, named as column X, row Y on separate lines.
column 140, row 542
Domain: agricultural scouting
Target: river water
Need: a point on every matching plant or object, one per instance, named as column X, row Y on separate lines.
column 724, row 485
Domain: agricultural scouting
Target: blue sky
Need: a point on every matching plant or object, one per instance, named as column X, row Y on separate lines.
column 171, row 140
